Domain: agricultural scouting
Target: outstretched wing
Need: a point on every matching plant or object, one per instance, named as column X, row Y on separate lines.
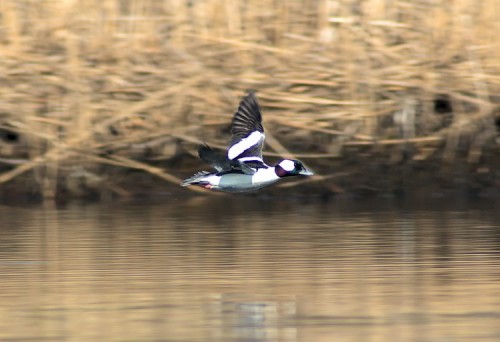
column 221, row 163
column 247, row 132
column 218, row 160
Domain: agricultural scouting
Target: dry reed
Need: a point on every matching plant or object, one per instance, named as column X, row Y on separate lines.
column 123, row 82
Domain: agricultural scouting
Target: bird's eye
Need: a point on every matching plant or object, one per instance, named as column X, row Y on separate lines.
column 298, row 166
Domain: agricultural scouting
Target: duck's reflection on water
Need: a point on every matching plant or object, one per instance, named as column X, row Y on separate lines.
column 248, row 270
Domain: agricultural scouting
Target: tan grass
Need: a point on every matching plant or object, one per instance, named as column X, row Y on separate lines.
column 118, row 82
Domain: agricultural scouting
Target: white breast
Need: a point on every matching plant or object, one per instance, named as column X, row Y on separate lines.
column 263, row 176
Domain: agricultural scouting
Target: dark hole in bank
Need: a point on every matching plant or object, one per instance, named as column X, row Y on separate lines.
column 442, row 104
column 9, row 136
column 113, row 130
column 497, row 124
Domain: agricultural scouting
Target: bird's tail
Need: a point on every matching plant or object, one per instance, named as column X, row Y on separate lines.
column 195, row 179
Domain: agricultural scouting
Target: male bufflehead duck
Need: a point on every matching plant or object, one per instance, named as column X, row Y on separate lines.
column 242, row 168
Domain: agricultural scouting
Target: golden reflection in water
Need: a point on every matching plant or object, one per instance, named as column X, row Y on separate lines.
column 226, row 270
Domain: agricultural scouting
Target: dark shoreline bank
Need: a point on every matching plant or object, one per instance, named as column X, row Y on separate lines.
column 360, row 173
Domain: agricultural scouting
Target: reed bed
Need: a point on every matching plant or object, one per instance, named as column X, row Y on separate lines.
column 91, row 87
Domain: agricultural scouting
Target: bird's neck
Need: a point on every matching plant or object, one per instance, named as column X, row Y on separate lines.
column 280, row 172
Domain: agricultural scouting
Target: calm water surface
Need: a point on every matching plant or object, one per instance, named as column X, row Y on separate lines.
column 238, row 269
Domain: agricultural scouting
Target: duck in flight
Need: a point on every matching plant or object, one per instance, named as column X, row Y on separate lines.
column 242, row 168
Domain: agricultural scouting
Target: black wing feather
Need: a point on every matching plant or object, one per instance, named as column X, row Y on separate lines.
column 247, row 118
column 221, row 163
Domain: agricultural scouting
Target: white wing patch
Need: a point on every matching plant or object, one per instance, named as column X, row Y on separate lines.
column 257, row 159
column 244, row 144
column 287, row 165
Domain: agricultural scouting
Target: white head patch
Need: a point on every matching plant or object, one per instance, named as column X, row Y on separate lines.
column 287, row 165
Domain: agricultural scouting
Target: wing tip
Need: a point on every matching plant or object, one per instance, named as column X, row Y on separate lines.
column 250, row 94
column 202, row 149
column 248, row 116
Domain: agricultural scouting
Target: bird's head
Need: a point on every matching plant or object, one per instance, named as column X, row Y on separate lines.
column 290, row 167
